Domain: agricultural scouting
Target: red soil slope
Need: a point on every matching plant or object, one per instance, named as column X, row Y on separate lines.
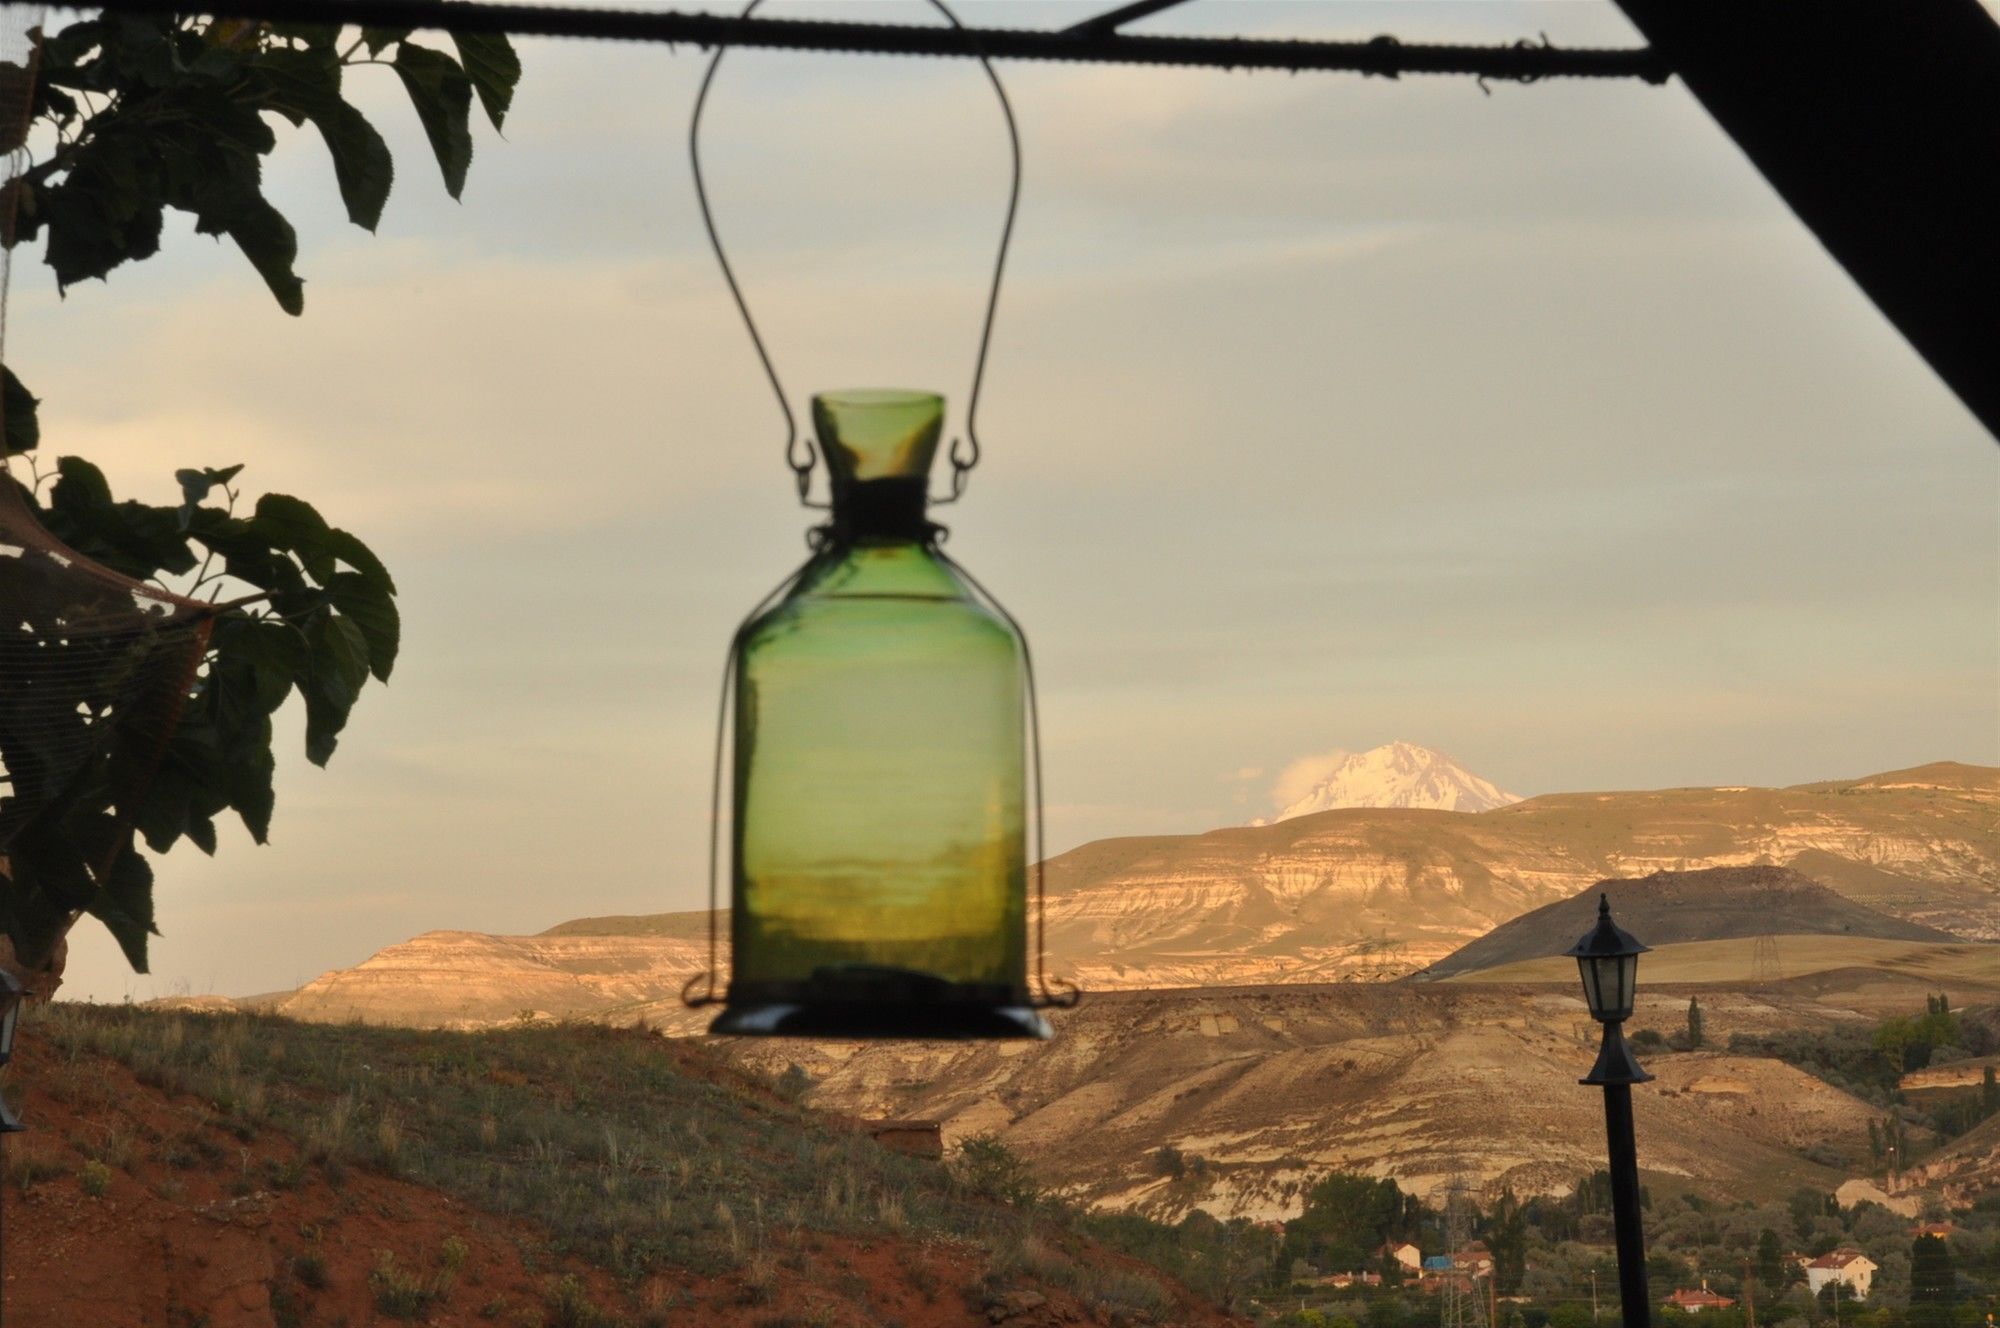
column 194, row 1226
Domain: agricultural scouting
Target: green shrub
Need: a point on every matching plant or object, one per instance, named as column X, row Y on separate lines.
column 568, row 1302
column 96, row 1179
column 992, row 1170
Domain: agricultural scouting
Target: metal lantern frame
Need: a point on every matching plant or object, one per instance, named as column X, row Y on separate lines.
column 1607, row 957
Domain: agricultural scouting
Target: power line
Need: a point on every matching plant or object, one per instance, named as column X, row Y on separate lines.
column 1091, row 42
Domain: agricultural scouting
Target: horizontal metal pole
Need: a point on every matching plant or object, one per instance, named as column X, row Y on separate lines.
column 1385, row 56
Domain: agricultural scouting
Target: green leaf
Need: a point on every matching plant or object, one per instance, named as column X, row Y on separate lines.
column 271, row 245
column 362, row 165
column 18, row 414
column 293, row 525
column 339, row 657
column 371, row 610
column 162, row 815
column 442, row 95
column 251, row 792
column 195, row 486
column 306, row 85
column 361, row 558
column 277, row 652
column 494, row 68
column 82, row 486
column 124, row 904
column 379, row 39
column 339, row 670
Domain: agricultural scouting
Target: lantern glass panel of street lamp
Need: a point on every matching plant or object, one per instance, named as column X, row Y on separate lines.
column 1617, row 987
column 1609, row 985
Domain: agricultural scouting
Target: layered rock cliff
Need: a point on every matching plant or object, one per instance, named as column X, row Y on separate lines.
column 1354, row 895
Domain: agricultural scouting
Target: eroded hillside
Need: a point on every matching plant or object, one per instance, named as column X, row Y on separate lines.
column 1271, row 1086
column 1342, row 896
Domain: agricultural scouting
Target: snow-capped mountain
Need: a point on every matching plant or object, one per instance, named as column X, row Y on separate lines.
column 1400, row 774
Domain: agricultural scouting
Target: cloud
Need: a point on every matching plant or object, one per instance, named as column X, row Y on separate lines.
column 1298, row 778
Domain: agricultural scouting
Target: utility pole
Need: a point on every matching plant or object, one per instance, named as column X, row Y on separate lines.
column 1460, row 1304
column 1749, row 1298
column 1593, row 1295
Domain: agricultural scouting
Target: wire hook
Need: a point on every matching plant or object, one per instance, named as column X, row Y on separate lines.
column 800, row 454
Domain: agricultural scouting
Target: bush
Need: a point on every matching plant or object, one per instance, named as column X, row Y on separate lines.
column 569, row 1304
column 793, row 1084
column 992, row 1170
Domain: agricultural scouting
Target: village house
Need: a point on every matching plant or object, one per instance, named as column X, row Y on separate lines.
column 1403, row 1253
column 1475, row 1259
column 1850, row 1267
column 1346, row 1281
column 1699, row 1299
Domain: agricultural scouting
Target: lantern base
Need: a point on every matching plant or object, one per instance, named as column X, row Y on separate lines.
column 941, row 1022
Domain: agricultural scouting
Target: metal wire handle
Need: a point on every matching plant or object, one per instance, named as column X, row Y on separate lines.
column 800, row 454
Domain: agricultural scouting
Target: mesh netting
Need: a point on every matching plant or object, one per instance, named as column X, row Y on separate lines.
column 95, row 667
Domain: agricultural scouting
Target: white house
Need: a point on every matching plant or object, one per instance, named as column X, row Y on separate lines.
column 1849, row 1267
column 1403, row 1253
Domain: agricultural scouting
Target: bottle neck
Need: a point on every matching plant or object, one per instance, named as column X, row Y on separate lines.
column 890, row 509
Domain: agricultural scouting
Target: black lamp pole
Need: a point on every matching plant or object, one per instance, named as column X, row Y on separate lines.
column 1609, row 960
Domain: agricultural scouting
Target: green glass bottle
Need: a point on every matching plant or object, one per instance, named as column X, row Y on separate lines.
column 879, row 880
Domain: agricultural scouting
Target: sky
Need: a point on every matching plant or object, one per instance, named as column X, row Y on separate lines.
column 1323, row 411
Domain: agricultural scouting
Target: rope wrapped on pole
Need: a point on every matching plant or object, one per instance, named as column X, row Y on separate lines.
column 1520, row 62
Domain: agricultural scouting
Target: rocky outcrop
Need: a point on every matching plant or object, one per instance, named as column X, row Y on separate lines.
column 463, row 979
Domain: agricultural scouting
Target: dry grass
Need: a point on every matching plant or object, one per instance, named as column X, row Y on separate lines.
column 603, row 1135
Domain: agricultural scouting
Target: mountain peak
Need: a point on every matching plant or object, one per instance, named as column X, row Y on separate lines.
column 1397, row 774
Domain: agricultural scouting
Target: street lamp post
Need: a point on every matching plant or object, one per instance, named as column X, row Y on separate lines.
column 11, row 993
column 1608, row 958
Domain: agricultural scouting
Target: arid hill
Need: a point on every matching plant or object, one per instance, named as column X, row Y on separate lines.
column 1340, row 896
column 1271, row 1086
column 239, row 1172
column 1366, row 894
column 1667, row 908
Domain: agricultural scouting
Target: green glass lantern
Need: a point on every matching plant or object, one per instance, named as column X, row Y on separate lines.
column 881, row 740
column 879, row 865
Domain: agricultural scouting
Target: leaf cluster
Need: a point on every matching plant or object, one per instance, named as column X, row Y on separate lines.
column 145, row 114
column 324, row 622
column 157, row 111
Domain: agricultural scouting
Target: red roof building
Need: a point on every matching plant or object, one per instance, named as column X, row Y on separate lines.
column 1699, row 1299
